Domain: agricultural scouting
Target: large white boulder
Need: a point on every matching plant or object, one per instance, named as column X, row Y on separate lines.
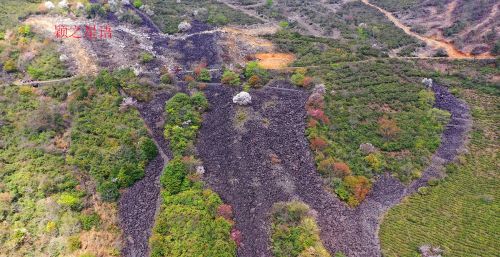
column 49, row 5
column 242, row 98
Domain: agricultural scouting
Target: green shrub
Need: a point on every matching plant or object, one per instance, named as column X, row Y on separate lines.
column 148, row 148
column 146, row 57
column 90, row 221
column 108, row 191
column 254, row 68
column 230, row 78
column 9, row 66
column 74, row 243
column 105, row 80
column 173, row 179
column 166, row 79
column 294, row 232
column 205, row 76
column 137, row 3
column 70, row 200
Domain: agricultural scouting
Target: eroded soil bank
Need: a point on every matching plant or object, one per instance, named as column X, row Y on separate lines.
column 237, row 144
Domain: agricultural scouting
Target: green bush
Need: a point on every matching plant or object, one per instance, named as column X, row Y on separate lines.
column 166, row 79
column 294, row 232
column 137, row 3
column 90, row 221
column 9, row 66
column 108, row 191
column 205, row 76
column 70, row 200
column 173, row 179
column 230, row 78
column 148, row 148
column 74, row 243
column 147, row 57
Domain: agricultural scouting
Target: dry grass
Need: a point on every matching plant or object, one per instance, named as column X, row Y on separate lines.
column 274, row 60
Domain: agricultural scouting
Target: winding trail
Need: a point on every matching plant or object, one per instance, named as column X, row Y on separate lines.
column 238, row 167
column 435, row 42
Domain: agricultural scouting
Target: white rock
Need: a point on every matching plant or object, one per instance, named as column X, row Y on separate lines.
column 125, row 2
column 242, row 98
column 49, row 5
column 427, row 82
column 63, row 58
column 183, row 26
column 63, row 4
column 320, row 89
column 79, row 5
column 200, row 170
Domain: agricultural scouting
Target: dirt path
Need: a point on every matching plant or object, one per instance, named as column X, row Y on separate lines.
column 238, row 167
column 139, row 203
column 431, row 41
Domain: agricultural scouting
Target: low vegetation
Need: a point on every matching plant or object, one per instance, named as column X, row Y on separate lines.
column 192, row 220
column 456, row 214
column 168, row 14
column 294, row 231
column 365, row 125
column 110, row 144
column 44, row 210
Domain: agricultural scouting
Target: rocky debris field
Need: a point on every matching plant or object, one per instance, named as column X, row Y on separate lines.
column 139, row 203
column 241, row 165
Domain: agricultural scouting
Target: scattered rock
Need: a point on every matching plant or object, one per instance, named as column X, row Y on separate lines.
column 127, row 102
column 49, row 5
column 79, row 5
column 429, row 251
column 367, row 148
column 200, row 170
column 184, row 26
column 63, row 4
column 125, row 2
column 320, row 89
column 63, row 58
column 427, row 82
column 242, row 98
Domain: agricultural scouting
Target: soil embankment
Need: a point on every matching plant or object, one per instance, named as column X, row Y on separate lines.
column 236, row 145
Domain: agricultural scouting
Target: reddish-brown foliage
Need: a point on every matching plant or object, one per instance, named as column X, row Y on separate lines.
column 315, row 101
column 274, row 158
column 236, row 236
column 341, row 169
column 254, row 80
column 225, row 211
column 326, row 166
column 202, row 86
column 359, row 186
column 197, row 69
column 312, row 123
column 388, row 127
column 189, row 79
column 307, row 82
column 319, row 115
column 318, row 143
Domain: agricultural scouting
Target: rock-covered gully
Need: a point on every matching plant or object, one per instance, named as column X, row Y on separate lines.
column 237, row 158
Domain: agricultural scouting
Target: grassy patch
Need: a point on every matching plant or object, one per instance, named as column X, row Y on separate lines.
column 460, row 213
column 47, row 66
